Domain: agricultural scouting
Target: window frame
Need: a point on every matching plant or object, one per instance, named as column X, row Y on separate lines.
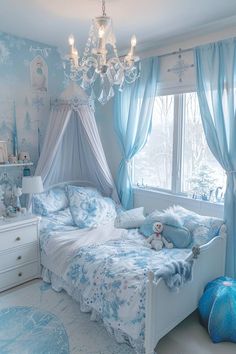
column 178, row 146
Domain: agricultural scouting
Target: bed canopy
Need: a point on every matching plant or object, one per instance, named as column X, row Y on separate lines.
column 72, row 147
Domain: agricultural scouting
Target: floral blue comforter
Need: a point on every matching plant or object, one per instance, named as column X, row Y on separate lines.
column 111, row 278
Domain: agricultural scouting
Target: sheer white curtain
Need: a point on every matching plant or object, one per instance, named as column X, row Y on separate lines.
column 58, row 121
column 90, row 130
column 73, row 150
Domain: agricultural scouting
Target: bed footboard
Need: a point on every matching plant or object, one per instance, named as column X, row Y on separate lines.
column 166, row 309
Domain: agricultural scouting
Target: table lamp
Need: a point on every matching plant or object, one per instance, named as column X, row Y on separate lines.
column 32, row 185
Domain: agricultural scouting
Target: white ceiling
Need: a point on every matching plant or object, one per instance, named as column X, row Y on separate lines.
column 51, row 21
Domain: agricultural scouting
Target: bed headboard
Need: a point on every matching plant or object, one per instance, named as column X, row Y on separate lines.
column 81, row 183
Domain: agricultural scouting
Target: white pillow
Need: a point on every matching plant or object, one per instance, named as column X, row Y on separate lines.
column 130, row 219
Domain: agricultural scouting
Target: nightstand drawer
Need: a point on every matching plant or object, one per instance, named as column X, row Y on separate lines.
column 19, row 256
column 19, row 275
column 17, row 237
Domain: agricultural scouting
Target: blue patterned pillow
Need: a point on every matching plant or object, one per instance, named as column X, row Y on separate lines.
column 166, row 218
column 49, row 202
column 89, row 208
column 110, row 210
column 62, row 217
column 202, row 228
column 179, row 236
column 191, row 228
column 58, row 221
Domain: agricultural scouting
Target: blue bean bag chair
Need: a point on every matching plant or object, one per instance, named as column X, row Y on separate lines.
column 217, row 309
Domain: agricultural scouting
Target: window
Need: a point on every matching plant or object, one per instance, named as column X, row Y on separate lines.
column 153, row 165
column 176, row 157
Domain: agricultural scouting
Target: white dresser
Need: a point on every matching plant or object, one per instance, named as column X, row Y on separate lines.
column 19, row 250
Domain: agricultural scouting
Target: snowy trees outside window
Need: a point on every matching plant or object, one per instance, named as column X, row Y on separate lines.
column 176, row 157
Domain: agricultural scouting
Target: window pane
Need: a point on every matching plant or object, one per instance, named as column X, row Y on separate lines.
column 202, row 176
column 153, row 165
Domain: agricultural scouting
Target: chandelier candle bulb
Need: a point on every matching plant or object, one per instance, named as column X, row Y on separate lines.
column 71, row 41
column 133, row 45
column 100, row 46
column 101, row 32
column 75, row 57
column 133, row 41
column 101, row 41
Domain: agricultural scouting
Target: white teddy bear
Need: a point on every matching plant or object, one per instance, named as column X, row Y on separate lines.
column 156, row 240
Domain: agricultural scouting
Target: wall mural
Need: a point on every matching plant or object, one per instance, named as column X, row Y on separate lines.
column 31, row 76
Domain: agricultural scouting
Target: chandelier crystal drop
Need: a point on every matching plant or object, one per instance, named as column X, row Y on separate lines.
column 100, row 67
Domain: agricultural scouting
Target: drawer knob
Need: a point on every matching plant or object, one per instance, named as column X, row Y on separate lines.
column 19, row 274
column 19, row 257
column 18, row 238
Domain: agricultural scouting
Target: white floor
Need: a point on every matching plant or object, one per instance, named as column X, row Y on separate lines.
column 190, row 337
column 187, row 338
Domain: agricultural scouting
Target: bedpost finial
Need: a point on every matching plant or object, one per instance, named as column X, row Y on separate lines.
column 196, row 251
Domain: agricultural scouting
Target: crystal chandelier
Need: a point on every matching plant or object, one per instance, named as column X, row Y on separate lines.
column 100, row 67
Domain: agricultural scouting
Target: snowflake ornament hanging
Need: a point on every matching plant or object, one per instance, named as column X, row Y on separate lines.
column 180, row 67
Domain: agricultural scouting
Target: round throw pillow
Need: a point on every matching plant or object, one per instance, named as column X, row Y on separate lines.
column 217, row 309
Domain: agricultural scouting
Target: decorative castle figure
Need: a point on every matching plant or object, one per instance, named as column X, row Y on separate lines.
column 17, row 191
column 39, row 74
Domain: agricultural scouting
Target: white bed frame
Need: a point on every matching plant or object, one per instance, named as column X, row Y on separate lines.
column 166, row 309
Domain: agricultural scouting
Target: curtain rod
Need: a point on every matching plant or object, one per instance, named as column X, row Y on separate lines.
column 180, row 51
column 148, row 54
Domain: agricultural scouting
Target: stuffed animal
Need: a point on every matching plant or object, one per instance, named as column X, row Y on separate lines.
column 156, row 240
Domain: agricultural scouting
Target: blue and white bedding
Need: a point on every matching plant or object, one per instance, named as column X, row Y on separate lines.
column 105, row 269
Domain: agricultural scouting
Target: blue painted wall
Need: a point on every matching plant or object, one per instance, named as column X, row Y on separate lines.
column 31, row 75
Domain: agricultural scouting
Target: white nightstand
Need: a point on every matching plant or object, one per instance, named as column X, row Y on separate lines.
column 19, row 250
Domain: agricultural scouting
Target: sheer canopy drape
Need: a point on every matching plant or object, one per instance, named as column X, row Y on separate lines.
column 72, row 147
column 216, row 87
column 133, row 117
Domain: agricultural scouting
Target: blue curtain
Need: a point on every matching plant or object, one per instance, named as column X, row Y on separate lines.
column 216, row 87
column 133, row 109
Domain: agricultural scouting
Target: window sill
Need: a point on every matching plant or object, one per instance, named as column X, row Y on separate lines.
column 157, row 199
column 175, row 195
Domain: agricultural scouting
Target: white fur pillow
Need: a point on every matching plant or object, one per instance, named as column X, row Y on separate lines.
column 130, row 219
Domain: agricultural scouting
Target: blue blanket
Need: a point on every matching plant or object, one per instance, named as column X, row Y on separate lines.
column 175, row 273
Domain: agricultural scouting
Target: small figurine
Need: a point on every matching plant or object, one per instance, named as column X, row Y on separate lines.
column 24, row 156
column 156, row 240
column 17, row 191
column 12, row 159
